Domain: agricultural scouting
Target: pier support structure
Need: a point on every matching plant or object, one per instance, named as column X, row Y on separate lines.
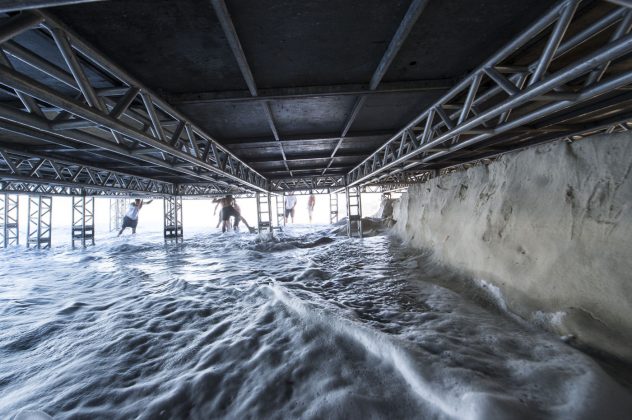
column 280, row 209
column 40, row 210
column 173, row 217
column 9, row 215
column 118, row 207
column 82, row 220
column 354, row 211
column 264, row 211
column 333, row 208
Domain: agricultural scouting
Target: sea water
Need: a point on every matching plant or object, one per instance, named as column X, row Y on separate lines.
column 308, row 325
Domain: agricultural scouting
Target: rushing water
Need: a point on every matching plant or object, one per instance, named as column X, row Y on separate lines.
column 232, row 326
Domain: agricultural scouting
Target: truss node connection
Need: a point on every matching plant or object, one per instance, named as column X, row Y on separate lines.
column 503, row 99
column 123, row 118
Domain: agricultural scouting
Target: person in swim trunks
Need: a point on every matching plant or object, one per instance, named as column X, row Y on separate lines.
column 290, row 203
column 131, row 217
column 229, row 209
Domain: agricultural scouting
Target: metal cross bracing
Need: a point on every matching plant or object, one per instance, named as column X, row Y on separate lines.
column 173, row 217
column 264, row 212
column 88, row 100
column 510, row 100
column 354, row 211
column 40, row 211
column 333, row 208
column 33, row 168
column 211, row 190
column 9, row 220
column 82, row 229
column 318, row 184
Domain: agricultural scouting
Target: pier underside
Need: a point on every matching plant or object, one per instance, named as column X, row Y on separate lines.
column 206, row 97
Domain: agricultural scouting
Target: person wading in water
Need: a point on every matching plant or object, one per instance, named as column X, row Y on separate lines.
column 229, row 208
column 131, row 217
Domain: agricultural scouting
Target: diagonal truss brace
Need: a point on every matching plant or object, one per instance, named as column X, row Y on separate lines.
column 125, row 117
column 38, row 169
column 480, row 107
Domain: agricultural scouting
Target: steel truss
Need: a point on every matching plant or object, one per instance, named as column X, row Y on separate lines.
column 212, row 190
column 264, row 212
column 354, row 211
column 322, row 184
column 173, row 217
column 333, row 208
column 40, row 212
column 28, row 168
column 505, row 101
column 82, row 229
column 280, row 209
column 113, row 111
column 9, row 220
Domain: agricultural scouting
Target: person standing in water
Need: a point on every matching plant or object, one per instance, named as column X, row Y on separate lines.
column 229, row 208
column 290, row 203
column 311, row 202
column 131, row 217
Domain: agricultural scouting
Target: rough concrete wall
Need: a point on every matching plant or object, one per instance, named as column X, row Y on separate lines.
column 550, row 226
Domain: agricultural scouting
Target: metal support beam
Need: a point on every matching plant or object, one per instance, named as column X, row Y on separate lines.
column 406, row 25
column 235, row 45
column 202, row 155
column 33, row 168
column 40, row 211
column 173, row 217
column 9, row 220
column 300, row 92
column 333, row 208
column 264, row 212
column 118, row 207
column 82, row 229
column 16, row 5
column 280, row 209
column 354, row 211
column 502, row 103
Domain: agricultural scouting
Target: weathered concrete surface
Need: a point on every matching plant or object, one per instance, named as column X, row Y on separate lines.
column 550, row 226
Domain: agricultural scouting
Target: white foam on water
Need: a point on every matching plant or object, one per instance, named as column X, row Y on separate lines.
column 297, row 326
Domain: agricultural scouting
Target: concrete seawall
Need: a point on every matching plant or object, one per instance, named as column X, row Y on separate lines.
column 550, row 226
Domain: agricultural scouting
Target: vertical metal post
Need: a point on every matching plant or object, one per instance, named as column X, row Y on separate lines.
column 354, row 211
column 280, row 209
column 40, row 210
column 173, row 217
column 82, row 220
column 118, row 207
column 264, row 211
column 333, row 208
column 9, row 215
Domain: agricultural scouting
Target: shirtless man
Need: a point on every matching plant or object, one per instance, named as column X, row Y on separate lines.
column 229, row 208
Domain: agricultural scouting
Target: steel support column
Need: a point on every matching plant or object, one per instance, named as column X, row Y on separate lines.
column 280, row 209
column 82, row 229
column 264, row 212
column 118, row 207
column 333, row 208
column 40, row 212
column 354, row 211
column 9, row 216
column 173, row 217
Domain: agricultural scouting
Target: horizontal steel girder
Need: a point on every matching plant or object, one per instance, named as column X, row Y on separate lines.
column 280, row 94
column 130, row 122
column 16, row 5
column 320, row 182
column 21, row 167
column 500, row 96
